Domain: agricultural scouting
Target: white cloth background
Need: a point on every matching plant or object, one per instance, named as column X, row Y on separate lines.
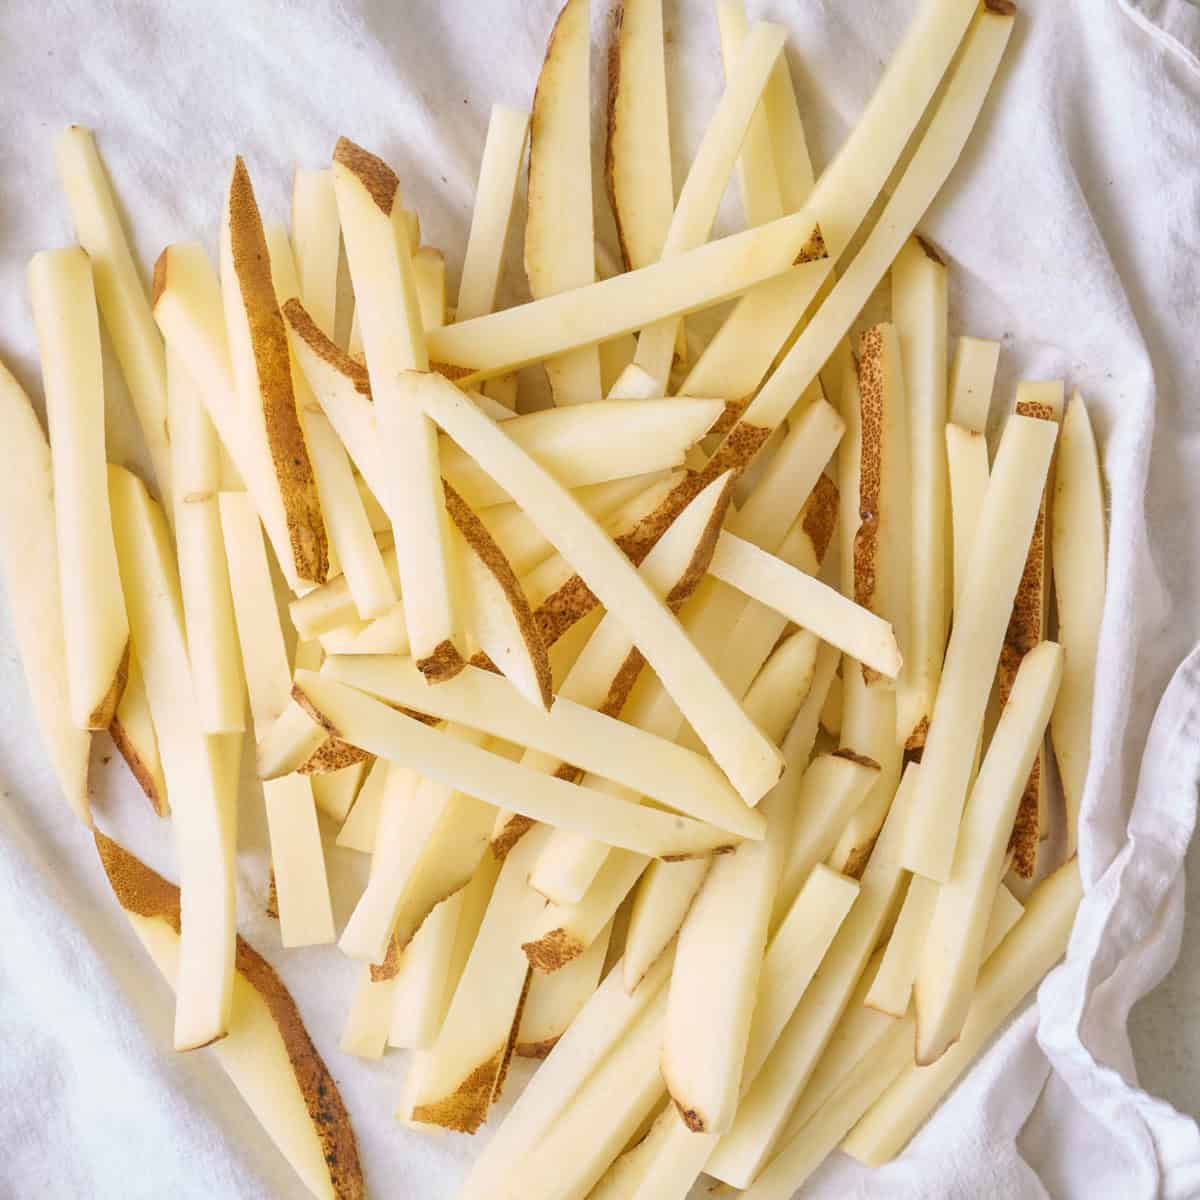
column 1070, row 227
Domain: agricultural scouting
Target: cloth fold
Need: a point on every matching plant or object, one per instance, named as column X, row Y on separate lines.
column 1070, row 227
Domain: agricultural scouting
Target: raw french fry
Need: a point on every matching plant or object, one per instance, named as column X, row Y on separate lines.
column 589, row 740
column 366, row 1030
column 967, row 459
column 758, row 183
column 203, row 572
column 565, row 931
column 1026, row 628
column 458, row 1080
column 709, row 174
column 262, row 373
column 664, row 895
column 792, row 957
column 892, row 988
column 297, row 862
column 334, row 793
column 290, row 741
column 953, row 946
column 189, row 311
column 423, row 988
column 559, row 226
column 972, row 377
column 429, row 276
column 927, row 170
column 832, row 787
column 751, row 763
column 1035, row 944
column 132, row 732
column 808, row 602
column 861, row 1029
column 316, row 238
column 554, row 1000
column 407, row 819
column 600, row 1119
column 598, row 312
column 1005, row 529
column 381, row 730
column 882, row 571
column 120, row 290
column 359, row 828
column 920, row 313
column 94, row 623
column 29, row 557
column 602, row 1024
column 638, row 150
column 267, row 1053
column 789, row 146
column 1078, row 540
column 381, row 268
column 198, row 768
column 352, row 543
column 831, row 714
column 494, row 196
column 783, row 684
column 763, row 1112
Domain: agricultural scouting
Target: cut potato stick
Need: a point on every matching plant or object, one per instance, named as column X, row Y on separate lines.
column 297, row 863
column 927, row 170
column 1002, row 544
column 1035, row 944
column 715, row 982
column 290, row 741
column 602, row 1024
column 334, row 793
column 882, row 544
column 953, row 946
column 203, row 572
column 563, row 932
column 132, row 732
column 892, row 988
column 763, row 1112
column 861, row 1029
column 407, row 820
column 495, row 193
column 600, row 1119
column 381, row 268
column 262, row 373
column 429, row 276
column 267, row 1054
column 198, row 769
column 120, row 291
column 709, row 174
column 749, row 761
column 1026, row 628
column 972, row 378
column 831, row 788
column 638, row 150
column 757, row 181
column 789, row 146
column 664, row 895
column 381, row 730
column 783, row 684
column 459, row 1078
column 554, row 1000
column 189, row 311
column 663, row 1166
column 831, row 714
column 669, row 774
column 359, row 829
column 316, row 238
column 559, row 225
column 1079, row 554
column 792, row 957
column 557, row 324
column 967, row 459
column 29, row 557
column 95, row 626
column 366, row 1030
column 808, row 602
column 423, row 987
column 352, row 546
column 920, row 313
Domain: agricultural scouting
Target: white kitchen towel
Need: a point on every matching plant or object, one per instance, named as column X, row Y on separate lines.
column 1071, row 230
